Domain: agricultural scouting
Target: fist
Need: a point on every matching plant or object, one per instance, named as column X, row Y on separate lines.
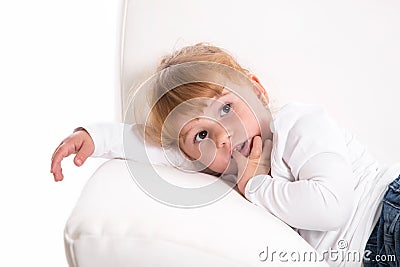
column 258, row 162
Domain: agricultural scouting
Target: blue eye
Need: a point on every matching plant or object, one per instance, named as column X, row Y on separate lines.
column 200, row 136
column 225, row 109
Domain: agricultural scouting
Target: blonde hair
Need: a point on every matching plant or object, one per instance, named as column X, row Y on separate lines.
column 166, row 99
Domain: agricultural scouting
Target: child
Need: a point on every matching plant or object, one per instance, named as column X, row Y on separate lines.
column 314, row 176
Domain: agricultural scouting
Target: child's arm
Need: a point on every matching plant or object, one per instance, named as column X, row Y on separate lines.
column 321, row 195
column 320, row 200
column 106, row 140
column 101, row 140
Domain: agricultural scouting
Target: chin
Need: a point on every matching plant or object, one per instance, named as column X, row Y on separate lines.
column 229, row 168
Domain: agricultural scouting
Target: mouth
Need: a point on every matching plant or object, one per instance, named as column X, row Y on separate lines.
column 244, row 148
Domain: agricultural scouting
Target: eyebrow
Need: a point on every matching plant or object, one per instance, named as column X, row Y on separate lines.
column 220, row 100
column 226, row 93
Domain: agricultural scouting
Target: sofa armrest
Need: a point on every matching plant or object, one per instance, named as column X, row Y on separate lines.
column 115, row 223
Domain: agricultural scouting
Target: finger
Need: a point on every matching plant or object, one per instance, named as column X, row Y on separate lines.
column 61, row 152
column 56, row 158
column 83, row 153
column 58, row 175
column 256, row 149
column 55, row 151
column 63, row 142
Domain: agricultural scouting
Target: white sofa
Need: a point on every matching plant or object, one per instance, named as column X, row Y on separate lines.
column 116, row 224
column 298, row 49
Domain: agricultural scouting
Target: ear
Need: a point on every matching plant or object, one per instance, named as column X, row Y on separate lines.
column 259, row 89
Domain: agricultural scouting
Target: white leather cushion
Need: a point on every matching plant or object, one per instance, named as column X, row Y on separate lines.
column 116, row 224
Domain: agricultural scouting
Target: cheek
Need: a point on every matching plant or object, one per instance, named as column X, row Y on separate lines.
column 189, row 150
column 205, row 152
column 215, row 159
column 248, row 120
column 220, row 162
column 244, row 111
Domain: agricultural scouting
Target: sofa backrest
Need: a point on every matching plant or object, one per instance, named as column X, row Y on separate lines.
column 341, row 54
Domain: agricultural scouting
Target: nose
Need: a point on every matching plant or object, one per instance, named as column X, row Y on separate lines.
column 223, row 137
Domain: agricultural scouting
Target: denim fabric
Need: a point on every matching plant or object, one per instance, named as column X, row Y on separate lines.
column 383, row 246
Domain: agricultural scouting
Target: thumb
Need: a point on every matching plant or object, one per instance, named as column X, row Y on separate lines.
column 256, row 149
column 82, row 155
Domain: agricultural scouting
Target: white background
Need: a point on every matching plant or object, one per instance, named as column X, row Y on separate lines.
column 57, row 71
column 342, row 54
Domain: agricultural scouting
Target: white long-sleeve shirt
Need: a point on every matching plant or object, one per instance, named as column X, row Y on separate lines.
column 323, row 182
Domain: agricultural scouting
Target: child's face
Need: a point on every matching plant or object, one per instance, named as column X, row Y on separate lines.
column 228, row 124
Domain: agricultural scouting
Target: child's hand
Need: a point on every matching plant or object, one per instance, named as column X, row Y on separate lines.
column 80, row 143
column 258, row 162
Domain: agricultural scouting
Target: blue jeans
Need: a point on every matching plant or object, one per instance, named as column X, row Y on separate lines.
column 383, row 246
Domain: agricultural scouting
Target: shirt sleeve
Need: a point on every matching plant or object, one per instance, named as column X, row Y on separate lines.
column 118, row 140
column 321, row 200
column 107, row 139
column 320, row 196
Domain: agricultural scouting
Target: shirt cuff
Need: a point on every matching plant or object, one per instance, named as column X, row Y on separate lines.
column 98, row 133
column 254, row 184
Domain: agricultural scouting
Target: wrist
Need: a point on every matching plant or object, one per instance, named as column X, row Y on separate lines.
column 242, row 184
column 255, row 184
